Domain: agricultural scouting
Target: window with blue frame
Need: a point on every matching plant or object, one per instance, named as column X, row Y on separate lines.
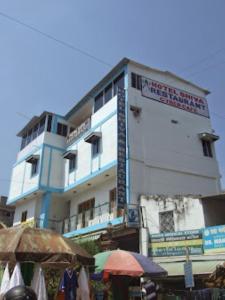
column 34, row 167
column 35, row 131
column 72, row 163
column 108, row 92
column 96, row 147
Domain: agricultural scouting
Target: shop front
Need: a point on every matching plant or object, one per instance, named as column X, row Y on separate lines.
column 204, row 249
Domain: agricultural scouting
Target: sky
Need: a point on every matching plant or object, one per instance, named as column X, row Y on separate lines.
column 52, row 52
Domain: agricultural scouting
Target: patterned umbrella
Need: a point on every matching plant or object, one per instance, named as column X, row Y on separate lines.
column 120, row 262
column 26, row 244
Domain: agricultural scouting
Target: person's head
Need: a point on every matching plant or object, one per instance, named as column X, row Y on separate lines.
column 20, row 292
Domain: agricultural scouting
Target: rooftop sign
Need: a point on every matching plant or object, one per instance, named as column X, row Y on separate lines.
column 174, row 97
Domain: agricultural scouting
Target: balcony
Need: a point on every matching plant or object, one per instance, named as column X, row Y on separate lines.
column 77, row 132
column 98, row 215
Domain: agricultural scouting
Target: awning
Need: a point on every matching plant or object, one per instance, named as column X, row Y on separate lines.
column 198, row 267
column 90, row 237
column 32, row 158
column 201, row 264
column 92, row 137
column 69, row 154
column 206, row 136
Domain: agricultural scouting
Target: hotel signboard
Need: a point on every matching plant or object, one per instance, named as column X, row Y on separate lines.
column 121, row 149
column 174, row 97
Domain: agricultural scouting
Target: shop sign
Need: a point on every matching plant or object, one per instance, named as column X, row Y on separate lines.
column 188, row 275
column 176, row 243
column 214, row 239
column 133, row 218
column 121, row 149
column 174, row 97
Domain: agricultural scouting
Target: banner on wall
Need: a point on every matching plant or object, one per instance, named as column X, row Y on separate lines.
column 121, row 149
column 174, row 97
column 214, row 239
column 176, row 243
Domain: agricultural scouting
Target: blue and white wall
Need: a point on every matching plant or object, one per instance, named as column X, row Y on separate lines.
column 105, row 122
column 53, row 176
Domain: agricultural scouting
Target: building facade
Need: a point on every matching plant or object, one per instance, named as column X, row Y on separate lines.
column 139, row 131
column 6, row 212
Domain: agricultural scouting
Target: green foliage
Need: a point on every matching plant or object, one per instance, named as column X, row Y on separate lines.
column 90, row 246
column 97, row 286
column 52, row 279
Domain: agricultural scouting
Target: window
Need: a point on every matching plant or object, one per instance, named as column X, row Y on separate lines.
column 41, row 126
column 118, row 82
column 96, row 145
column 112, row 200
column 24, row 216
column 207, row 148
column 166, row 221
column 34, row 167
column 98, row 102
column 108, row 93
column 136, row 81
column 29, row 136
column 86, row 211
column 35, row 132
column 62, row 129
column 23, row 142
column 72, row 163
column 49, row 124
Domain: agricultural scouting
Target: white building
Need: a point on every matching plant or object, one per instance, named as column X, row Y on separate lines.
column 73, row 172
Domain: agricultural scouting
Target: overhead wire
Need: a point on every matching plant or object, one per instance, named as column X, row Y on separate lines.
column 57, row 40
column 206, row 69
column 204, row 59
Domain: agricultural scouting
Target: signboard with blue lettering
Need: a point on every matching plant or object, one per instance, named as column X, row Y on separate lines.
column 121, row 149
column 176, row 243
column 188, row 275
column 214, row 239
column 174, row 97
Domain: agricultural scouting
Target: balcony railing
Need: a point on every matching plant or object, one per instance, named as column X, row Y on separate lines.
column 76, row 133
column 97, row 215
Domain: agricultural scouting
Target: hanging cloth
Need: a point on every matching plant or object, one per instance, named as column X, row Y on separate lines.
column 16, row 278
column 38, row 283
column 83, row 290
column 70, row 284
column 5, row 281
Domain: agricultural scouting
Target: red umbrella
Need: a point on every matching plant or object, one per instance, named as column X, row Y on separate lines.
column 120, row 262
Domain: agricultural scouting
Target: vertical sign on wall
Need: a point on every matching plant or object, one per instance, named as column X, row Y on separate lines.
column 121, row 149
column 188, row 275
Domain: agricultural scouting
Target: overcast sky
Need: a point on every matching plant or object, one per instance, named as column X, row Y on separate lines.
column 38, row 73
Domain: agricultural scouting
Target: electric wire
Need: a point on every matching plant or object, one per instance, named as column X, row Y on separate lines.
column 204, row 59
column 57, row 40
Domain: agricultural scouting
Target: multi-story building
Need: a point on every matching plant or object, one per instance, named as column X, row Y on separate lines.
column 6, row 212
column 139, row 131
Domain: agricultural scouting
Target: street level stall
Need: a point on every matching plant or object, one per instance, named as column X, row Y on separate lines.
column 122, row 267
column 202, row 249
column 40, row 246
